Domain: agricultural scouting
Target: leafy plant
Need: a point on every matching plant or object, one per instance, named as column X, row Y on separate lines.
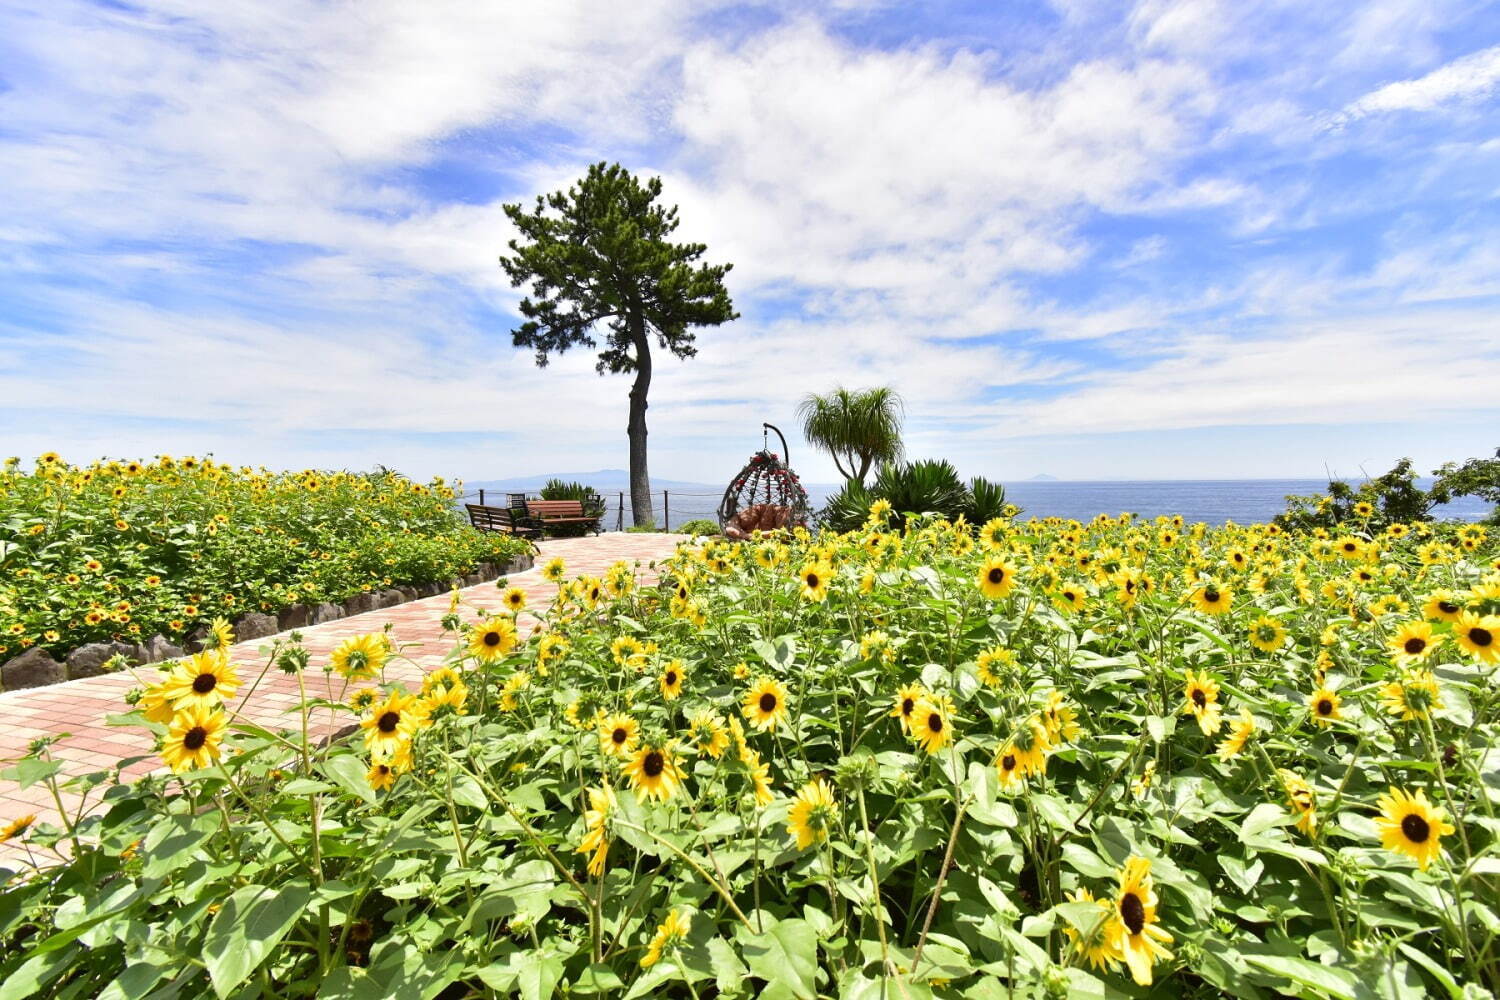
column 1121, row 759
column 858, row 427
column 699, row 526
column 924, row 487
column 122, row 551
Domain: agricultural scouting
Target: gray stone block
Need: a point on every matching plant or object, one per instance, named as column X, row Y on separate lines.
column 159, row 649
column 295, row 616
column 326, row 612
column 255, row 626
column 33, row 668
column 360, row 604
column 408, row 593
column 196, row 640
column 89, row 660
column 388, row 598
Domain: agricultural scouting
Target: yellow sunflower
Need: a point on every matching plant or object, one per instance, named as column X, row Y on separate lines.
column 392, row 723
column 193, row 738
column 991, row 663
column 1240, row 731
column 492, row 639
column 360, row 657
column 706, row 732
column 1267, row 634
column 996, row 578
column 1411, row 825
column 1030, row 745
column 1299, row 796
column 906, row 701
column 1060, row 719
column 1479, row 636
column 16, row 827
column 1097, row 945
column 1137, row 936
column 930, row 725
column 595, row 841
column 1412, row 696
column 554, row 570
column 1069, row 598
column 815, row 578
column 653, row 773
column 671, row 680
column 765, row 703
column 618, row 735
column 1212, row 599
column 514, row 599
column 1323, row 704
column 1412, row 643
column 204, row 680
column 667, row 938
column 812, row 814
column 1201, row 700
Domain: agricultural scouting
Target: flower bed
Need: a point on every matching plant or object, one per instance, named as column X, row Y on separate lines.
column 1121, row 759
column 128, row 551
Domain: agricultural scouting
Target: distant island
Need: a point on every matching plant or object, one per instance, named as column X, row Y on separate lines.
column 1042, row 477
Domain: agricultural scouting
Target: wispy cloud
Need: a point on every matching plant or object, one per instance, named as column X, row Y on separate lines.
column 1472, row 78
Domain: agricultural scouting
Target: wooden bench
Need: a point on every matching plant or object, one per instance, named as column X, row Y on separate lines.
column 558, row 512
column 500, row 519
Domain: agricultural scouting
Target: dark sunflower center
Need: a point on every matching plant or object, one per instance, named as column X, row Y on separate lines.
column 935, row 722
column 812, row 580
column 654, row 764
column 671, row 678
column 492, row 638
column 1069, row 596
column 997, row 576
column 1414, row 645
column 1133, row 912
column 194, row 738
column 768, row 702
column 388, row 722
column 1448, row 607
column 1481, row 636
column 907, row 704
column 1325, row 706
column 1211, row 595
column 1416, row 829
column 619, row 736
column 204, row 683
column 1008, row 762
column 1199, row 698
column 1349, row 546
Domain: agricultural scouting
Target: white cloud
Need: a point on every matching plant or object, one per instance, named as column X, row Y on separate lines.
column 1472, row 78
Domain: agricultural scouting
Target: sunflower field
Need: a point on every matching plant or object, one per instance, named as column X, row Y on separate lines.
column 127, row 550
column 1034, row 759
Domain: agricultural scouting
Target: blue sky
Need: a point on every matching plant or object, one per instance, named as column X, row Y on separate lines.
column 1173, row 239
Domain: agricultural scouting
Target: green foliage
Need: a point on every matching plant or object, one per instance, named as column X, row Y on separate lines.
column 593, row 506
column 930, row 486
column 645, row 528
column 599, row 253
column 1394, row 497
column 698, row 526
column 858, row 427
column 279, row 871
column 124, row 551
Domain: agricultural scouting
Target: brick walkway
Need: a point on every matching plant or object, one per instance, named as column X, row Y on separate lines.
column 79, row 708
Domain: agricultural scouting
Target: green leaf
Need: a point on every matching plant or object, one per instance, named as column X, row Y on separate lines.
column 468, row 792
column 1325, row 979
column 785, row 957
column 251, row 923
column 348, row 772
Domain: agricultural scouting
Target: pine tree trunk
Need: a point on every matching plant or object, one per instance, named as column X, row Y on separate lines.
column 640, row 478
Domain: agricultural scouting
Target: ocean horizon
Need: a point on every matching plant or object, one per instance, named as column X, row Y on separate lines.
column 1211, row 501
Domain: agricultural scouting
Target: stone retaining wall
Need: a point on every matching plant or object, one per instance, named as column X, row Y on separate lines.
column 36, row 667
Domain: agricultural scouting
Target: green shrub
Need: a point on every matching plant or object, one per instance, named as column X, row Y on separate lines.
column 931, row 486
column 127, row 550
column 699, row 526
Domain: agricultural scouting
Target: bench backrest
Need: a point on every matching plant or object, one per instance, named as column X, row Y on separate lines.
column 490, row 518
column 555, row 508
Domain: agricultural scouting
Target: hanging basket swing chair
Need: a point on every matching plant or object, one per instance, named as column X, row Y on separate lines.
column 766, row 495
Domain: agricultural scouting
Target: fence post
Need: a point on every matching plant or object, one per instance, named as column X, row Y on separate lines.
column 481, row 497
column 666, row 516
column 620, row 519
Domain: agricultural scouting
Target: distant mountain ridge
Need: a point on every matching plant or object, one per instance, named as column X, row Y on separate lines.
column 605, row 481
column 1042, row 477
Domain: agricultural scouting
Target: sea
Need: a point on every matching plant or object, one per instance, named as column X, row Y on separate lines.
column 1212, row 501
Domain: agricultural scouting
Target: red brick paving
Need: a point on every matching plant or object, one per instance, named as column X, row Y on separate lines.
column 80, row 707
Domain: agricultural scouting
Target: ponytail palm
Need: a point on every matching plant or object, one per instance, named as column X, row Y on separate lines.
column 859, row 428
